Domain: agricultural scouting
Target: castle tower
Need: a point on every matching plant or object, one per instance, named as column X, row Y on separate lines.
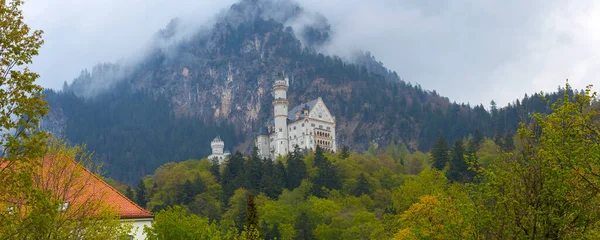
column 280, row 106
column 218, row 146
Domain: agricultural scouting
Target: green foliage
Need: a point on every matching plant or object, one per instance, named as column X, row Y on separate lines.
column 429, row 182
column 458, row 167
column 273, row 179
column 254, row 170
column 404, row 154
column 372, row 149
column 140, row 191
column 251, row 228
column 548, row 187
column 215, row 169
column 477, row 139
column 176, row 223
column 344, row 152
column 327, row 177
column 393, row 151
column 129, row 193
column 416, row 163
column 296, row 169
column 545, row 187
column 238, row 208
column 439, row 154
column 21, row 143
column 304, row 227
column 362, row 186
column 234, row 175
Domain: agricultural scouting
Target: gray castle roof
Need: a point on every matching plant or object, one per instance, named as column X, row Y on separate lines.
column 309, row 105
column 291, row 115
column 263, row 131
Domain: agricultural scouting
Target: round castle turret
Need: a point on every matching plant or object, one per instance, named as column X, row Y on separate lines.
column 217, row 146
column 280, row 110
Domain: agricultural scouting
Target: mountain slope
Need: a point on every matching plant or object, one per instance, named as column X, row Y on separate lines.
column 175, row 100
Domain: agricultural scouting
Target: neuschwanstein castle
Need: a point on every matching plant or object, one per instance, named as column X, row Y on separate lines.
column 307, row 125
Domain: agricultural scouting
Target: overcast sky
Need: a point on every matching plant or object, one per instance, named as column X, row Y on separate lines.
column 468, row 50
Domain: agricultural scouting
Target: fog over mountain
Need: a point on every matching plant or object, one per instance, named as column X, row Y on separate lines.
column 471, row 51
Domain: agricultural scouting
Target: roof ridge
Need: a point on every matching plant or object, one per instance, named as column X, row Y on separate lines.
column 111, row 187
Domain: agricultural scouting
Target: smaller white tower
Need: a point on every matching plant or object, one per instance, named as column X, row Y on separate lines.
column 218, row 152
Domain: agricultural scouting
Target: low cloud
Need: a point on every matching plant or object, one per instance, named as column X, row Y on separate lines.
column 469, row 50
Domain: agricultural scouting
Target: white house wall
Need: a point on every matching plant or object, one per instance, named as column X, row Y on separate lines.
column 138, row 227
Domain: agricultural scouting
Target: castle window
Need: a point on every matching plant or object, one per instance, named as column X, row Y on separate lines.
column 313, row 125
column 321, row 126
column 280, row 130
column 302, row 124
column 328, row 128
column 320, row 116
column 294, row 127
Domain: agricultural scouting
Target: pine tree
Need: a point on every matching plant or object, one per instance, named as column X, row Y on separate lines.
column 215, row 169
column 372, row 150
column 477, row 139
column 345, row 152
column 493, row 109
column 304, row 227
column 296, row 169
column 254, row 168
column 233, row 176
column 393, row 151
column 439, row 153
column 459, row 168
column 271, row 233
column 251, row 227
column 281, row 176
column 273, row 180
column 404, row 154
column 498, row 138
column 327, row 176
column 199, row 185
column 141, row 194
column 362, row 186
column 186, row 193
column 508, row 142
column 129, row 193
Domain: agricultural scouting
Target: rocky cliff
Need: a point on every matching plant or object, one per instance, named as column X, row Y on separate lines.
column 218, row 81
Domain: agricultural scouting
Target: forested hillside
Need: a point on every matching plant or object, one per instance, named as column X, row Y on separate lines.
column 539, row 184
column 169, row 105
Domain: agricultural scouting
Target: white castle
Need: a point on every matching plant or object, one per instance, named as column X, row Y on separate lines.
column 307, row 125
column 218, row 146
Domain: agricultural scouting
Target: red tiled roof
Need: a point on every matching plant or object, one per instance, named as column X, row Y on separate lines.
column 91, row 187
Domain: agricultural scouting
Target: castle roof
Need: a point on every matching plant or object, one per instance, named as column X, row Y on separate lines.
column 308, row 105
column 291, row 115
column 263, row 131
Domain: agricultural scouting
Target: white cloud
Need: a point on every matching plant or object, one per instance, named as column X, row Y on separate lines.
column 468, row 50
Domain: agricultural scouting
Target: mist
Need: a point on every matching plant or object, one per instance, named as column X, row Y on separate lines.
column 470, row 51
